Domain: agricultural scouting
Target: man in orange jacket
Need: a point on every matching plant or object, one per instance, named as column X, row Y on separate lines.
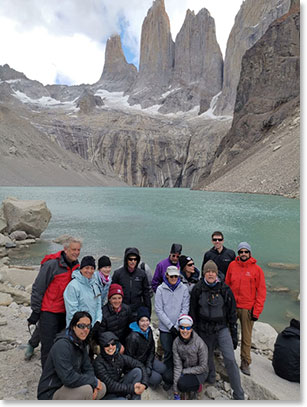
column 246, row 280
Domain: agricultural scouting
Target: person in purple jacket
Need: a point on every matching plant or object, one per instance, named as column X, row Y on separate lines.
column 171, row 260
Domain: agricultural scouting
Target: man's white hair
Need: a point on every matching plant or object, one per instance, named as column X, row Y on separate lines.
column 70, row 240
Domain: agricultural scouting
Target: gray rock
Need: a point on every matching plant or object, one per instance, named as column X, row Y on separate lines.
column 10, row 245
column 4, row 240
column 3, row 224
column 18, row 235
column 32, row 216
column 264, row 336
column 87, row 102
column 18, row 296
column 5, row 299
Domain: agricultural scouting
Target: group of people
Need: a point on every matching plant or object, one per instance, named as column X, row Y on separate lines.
column 94, row 327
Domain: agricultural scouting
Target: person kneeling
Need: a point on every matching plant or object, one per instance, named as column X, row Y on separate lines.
column 190, row 355
column 125, row 377
column 140, row 345
column 68, row 373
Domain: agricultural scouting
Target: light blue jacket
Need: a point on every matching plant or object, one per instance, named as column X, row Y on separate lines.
column 169, row 305
column 83, row 294
column 104, row 289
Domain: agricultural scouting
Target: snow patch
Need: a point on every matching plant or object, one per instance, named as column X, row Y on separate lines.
column 209, row 114
column 44, row 101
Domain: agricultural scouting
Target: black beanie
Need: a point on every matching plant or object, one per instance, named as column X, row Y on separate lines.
column 184, row 260
column 176, row 248
column 104, row 261
column 143, row 312
column 87, row 261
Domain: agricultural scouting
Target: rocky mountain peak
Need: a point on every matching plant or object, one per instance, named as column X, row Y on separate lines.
column 7, row 73
column 117, row 74
column 156, row 55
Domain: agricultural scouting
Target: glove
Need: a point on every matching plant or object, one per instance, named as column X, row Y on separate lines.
column 177, row 396
column 253, row 318
column 33, row 318
column 234, row 335
column 174, row 332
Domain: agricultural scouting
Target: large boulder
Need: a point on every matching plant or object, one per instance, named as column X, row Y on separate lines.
column 31, row 216
column 264, row 336
column 2, row 220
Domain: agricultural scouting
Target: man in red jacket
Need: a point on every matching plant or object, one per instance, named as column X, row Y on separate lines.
column 246, row 280
column 47, row 300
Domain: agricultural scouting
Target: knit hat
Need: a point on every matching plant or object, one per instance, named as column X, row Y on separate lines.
column 172, row 271
column 185, row 319
column 115, row 289
column 210, row 265
column 142, row 312
column 176, row 248
column 88, row 261
column 244, row 245
column 104, row 261
column 184, row 260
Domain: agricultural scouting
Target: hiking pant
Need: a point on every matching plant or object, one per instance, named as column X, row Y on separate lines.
column 167, row 340
column 84, row 392
column 134, row 376
column 50, row 324
column 247, row 324
column 158, row 368
column 223, row 340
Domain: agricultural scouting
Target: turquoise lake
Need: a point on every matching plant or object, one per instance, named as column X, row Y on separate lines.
column 111, row 219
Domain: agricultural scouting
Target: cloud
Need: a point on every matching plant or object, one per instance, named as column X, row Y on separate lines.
column 52, row 40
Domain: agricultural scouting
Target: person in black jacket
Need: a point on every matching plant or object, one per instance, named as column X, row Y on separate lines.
column 221, row 256
column 68, row 373
column 133, row 280
column 286, row 355
column 213, row 309
column 125, row 377
column 116, row 316
column 140, row 345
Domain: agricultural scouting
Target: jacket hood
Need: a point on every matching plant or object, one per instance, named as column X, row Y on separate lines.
column 52, row 256
column 131, row 251
column 291, row 331
column 84, row 280
column 106, row 337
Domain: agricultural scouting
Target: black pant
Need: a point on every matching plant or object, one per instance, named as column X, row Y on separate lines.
column 50, row 324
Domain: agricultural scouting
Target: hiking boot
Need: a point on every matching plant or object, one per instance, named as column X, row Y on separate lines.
column 245, row 367
column 29, row 352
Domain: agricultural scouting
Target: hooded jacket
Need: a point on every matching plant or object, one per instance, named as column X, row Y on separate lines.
column 50, row 283
column 140, row 347
column 83, row 294
column 160, row 272
column 67, row 364
column 190, row 358
column 286, row 355
column 246, row 280
column 169, row 305
column 134, row 284
column 110, row 368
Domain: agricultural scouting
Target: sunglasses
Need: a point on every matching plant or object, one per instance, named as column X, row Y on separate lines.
column 112, row 343
column 132, row 259
column 175, row 255
column 84, row 326
column 173, row 276
column 243, row 252
column 188, row 328
column 215, row 239
column 190, row 264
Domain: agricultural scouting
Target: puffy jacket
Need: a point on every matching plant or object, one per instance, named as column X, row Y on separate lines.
column 141, row 347
column 116, row 322
column 222, row 259
column 110, row 368
column 67, row 364
column 135, row 284
column 104, row 288
column 246, row 280
column 286, row 355
column 190, row 358
column 83, row 294
column 213, row 308
column 169, row 305
column 160, row 272
column 50, row 283
column 192, row 280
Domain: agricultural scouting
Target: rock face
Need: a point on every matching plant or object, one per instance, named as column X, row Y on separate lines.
column 156, row 56
column 267, row 103
column 88, row 101
column 30, row 216
column 198, row 66
column 117, row 74
column 251, row 23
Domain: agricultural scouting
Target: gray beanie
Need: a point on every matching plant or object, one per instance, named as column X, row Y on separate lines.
column 244, row 245
column 210, row 265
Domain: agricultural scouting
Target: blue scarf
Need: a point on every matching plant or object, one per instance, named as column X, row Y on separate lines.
column 135, row 327
column 212, row 284
column 171, row 286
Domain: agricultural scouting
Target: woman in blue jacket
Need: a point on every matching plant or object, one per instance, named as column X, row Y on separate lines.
column 83, row 292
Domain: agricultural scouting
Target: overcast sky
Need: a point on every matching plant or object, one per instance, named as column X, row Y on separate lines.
column 63, row 41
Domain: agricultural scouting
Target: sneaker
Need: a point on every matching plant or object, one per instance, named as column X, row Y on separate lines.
column 29, row 352
column 245, row 367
